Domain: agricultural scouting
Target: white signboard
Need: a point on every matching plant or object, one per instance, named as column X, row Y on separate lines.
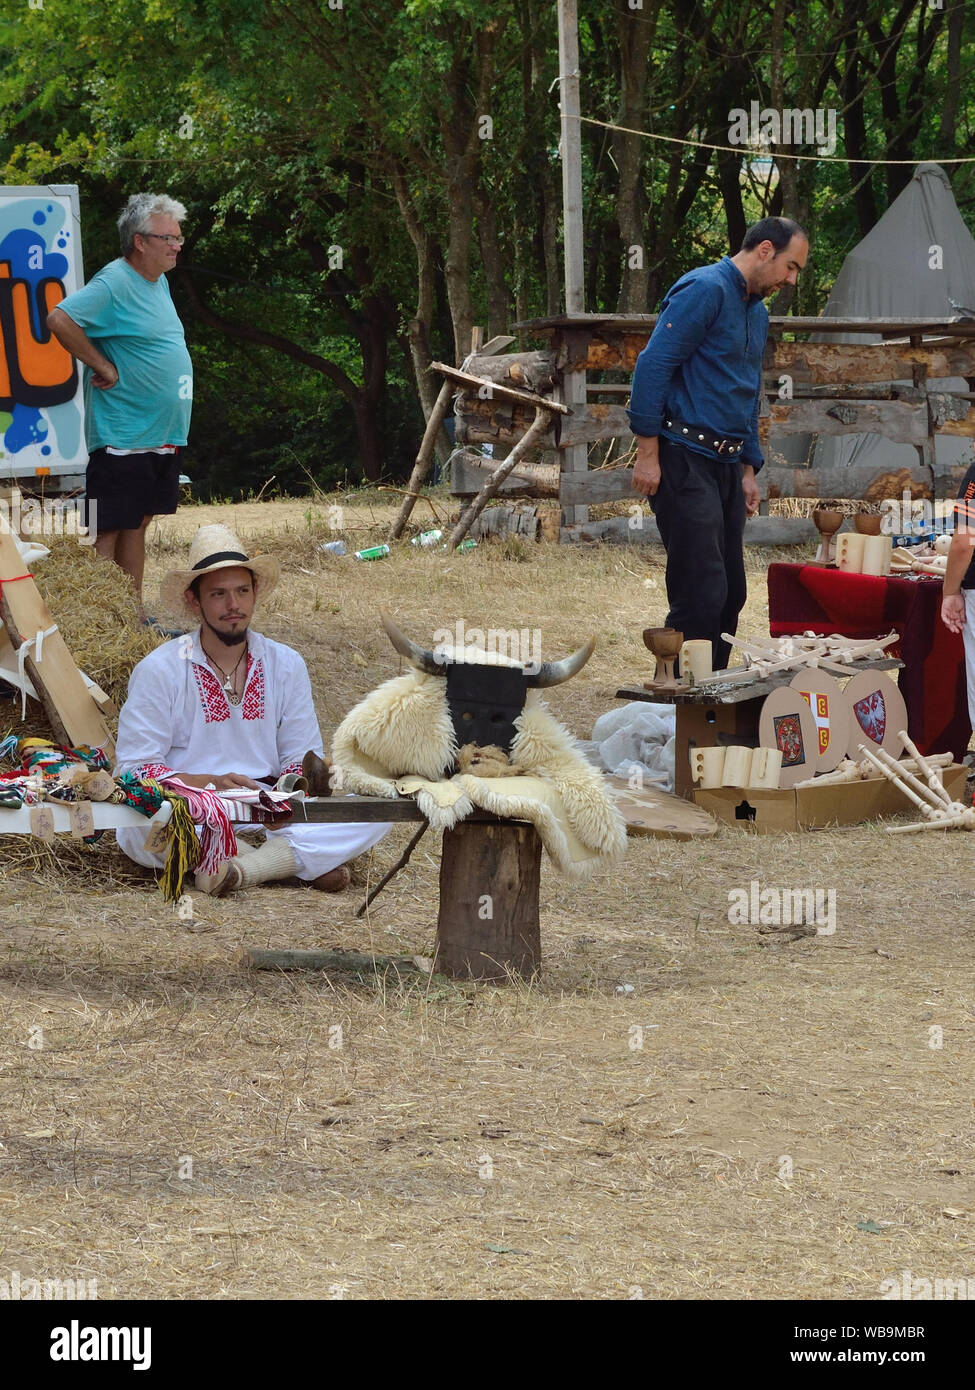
column 42, row 425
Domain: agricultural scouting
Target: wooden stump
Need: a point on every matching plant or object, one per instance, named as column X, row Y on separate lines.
column 487, row 927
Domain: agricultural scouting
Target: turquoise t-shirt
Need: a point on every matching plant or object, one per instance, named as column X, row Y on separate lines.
column 134, row 323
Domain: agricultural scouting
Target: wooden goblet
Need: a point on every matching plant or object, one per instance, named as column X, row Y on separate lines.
column 867, row 525
column 827, row 523
column 665, row 644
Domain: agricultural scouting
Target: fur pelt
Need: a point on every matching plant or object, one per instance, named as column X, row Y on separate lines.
column 402, row 734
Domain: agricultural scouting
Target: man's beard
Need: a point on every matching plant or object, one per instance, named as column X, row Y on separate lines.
column 229, row 639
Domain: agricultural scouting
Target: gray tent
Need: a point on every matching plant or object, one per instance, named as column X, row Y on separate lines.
column 892, row 274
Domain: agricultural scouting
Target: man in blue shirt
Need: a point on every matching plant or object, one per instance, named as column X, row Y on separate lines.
column 694, row 410
column 138, row 384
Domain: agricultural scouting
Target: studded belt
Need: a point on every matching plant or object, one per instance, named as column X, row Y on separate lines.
column 700, row 434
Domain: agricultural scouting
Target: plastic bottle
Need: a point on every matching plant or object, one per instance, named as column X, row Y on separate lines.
column 333, row 547
column 427, row 538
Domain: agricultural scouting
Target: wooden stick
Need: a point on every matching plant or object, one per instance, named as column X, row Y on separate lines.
column 912, row 780
column 494, row 388
column 396, row 867
column 934, row 781
column 424, row 458
column 470, row 514
column 926, row 807
column 966, row 820
column 353, row 961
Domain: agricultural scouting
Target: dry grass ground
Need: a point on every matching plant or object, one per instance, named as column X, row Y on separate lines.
column 178, row 1128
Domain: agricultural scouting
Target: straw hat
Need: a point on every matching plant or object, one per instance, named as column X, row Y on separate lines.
column 217, row 548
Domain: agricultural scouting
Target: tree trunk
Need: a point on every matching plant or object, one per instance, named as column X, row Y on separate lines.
column 488, row 927
column 418, row 330
column 493, row 261
column 368, row 436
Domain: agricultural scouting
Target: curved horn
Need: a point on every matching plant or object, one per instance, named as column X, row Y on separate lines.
column 417, row 656
column 555, row 672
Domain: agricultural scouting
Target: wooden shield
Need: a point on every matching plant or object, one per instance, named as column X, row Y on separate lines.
column 830, row 710
column 786, row 723
column 878, row 713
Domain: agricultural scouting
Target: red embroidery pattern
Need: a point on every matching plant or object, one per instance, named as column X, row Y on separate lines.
column 292, row 767
column 157, row 771
column 212, row 698
column 253, row 706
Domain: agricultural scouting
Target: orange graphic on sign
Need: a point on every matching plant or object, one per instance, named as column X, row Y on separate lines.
column 33, row 371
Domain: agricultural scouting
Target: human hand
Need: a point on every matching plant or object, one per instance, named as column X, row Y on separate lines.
column 953, row 612
column 103, row 378
column 749, row 487
column 646, row 470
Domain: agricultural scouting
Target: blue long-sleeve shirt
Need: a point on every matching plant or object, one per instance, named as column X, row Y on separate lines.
column 703, row 363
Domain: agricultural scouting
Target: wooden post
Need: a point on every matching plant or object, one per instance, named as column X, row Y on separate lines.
column 487, row 927
column 575, row 459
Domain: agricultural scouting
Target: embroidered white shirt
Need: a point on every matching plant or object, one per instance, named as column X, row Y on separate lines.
column 177, row 716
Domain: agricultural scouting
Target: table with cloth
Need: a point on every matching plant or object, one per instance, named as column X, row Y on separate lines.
column 810, row 597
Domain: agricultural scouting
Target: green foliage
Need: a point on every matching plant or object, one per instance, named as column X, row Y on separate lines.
column 290, row 129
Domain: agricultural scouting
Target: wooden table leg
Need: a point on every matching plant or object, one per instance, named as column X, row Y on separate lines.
column 487, row 927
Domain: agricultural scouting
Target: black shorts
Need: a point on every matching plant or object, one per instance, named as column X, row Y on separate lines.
column 121, row 490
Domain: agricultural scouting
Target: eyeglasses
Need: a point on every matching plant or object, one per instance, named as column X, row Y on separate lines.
column 161, row 236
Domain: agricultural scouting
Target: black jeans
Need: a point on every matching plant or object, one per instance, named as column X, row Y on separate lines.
column 700, row 511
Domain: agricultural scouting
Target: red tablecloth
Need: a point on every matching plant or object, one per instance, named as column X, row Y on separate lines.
column 808, row 597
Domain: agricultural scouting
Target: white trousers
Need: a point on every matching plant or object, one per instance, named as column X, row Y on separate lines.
column 968, row 637
column 316, row 848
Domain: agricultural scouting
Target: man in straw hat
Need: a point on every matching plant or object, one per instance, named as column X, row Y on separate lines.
column 224, row 707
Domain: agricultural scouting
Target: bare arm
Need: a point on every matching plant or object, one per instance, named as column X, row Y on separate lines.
column 77, row 342
column 221, row 782
column 959, row 558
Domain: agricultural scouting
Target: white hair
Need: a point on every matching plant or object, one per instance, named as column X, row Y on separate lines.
column 138, row 213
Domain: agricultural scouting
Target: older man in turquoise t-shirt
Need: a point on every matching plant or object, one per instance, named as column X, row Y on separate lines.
column 139, row 384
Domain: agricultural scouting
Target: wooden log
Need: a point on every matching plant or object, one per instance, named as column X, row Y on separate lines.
column 469, row 472
column 525, row 371
column 832, row 363
column 474, row 509
column 592, row 421
column 864, row 481
column 899, row 421
column 424, row 458
column 494, row 421
column 488, row 926
column 895, row 420
column 508, row 521
column 560, row 326
column 950, row 416
column 488, row 390
column 354, row 962
column 759, row 530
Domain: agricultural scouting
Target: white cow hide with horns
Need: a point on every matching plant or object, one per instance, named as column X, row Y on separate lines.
column 399, row 739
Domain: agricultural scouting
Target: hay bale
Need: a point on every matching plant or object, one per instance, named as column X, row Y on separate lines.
column 94, row 605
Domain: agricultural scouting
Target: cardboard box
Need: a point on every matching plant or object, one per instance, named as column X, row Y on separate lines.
column 814, row 808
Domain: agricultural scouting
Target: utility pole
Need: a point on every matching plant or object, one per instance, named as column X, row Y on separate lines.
column 575, row 458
